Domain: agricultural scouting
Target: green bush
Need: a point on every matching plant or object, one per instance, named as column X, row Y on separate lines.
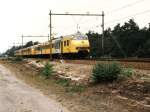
column 106, row 72
column 47, row 70
column 18, row 58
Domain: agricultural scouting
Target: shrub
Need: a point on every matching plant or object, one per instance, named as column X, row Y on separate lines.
column 18, row 58
column 47, row 70
column 106, row 72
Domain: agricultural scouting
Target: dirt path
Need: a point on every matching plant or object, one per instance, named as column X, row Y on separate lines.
column 16, row 96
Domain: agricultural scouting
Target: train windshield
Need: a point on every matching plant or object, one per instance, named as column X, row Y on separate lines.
column 80, row 36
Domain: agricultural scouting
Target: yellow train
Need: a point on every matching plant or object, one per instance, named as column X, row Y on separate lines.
column 75, row 45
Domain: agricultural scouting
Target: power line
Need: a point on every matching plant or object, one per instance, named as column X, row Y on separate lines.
column 125, row 6
column 137, row 14
column 77, row 22
column 115, row 10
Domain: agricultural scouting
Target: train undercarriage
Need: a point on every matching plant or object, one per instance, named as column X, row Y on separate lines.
column 80, row 54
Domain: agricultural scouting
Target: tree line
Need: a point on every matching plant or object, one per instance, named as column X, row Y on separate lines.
column 10, row 52
column 127, row 40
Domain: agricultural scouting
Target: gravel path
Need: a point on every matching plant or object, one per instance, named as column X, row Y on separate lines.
column 16, row 96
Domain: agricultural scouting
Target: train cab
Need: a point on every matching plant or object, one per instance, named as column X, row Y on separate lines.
column 76, row 44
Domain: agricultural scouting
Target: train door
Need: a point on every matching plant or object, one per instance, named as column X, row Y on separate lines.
column 57, row 46
column 61, row 47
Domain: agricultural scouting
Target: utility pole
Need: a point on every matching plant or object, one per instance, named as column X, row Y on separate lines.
column 50, row 41
column 76, row 14
column 22, row 41
column 48, row 37
column 22, row 45
column 78, row 27
column 103, row 33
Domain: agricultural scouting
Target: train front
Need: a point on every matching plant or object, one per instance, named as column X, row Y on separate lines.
column 80, row 44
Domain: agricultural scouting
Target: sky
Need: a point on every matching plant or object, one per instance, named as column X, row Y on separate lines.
column 31, row 17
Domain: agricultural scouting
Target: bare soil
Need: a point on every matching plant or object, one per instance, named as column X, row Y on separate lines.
column 129, row 95
column 16, row 96
column 136, row 65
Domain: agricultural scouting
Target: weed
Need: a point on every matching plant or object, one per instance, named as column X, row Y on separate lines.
column 47, row 70
column 63, row 82
column 126, row 72
column 70, row 87
column 16, row 59
column 76, row 88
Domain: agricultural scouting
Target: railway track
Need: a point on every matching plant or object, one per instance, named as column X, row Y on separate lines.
column 143, row 64
column 147, row 60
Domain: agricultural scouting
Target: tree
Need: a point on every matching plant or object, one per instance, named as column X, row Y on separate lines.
column 127, row 37
column 10, row 52
column 95, row 44
column 28, row 44
column 126, row 40
column 35, row 43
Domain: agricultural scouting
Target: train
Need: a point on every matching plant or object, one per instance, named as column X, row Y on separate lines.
column 74, row 45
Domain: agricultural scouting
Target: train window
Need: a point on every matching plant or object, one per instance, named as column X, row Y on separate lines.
column 80, row 37
column 38, row 48
column 64, row 43
column 57, row 44
column 67, row 42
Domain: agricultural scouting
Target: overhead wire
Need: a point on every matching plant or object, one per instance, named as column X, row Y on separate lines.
column 136, row 14
column 115, row 10
column 77, row 22
column 125, row 6
column 118, row 9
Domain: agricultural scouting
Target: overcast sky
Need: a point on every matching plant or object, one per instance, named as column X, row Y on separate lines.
column 30, row 17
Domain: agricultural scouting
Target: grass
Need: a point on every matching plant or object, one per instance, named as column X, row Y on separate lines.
column 63, row 82
column 70, row 87
column 76, row 88
column 126, row 72
column 15, row 59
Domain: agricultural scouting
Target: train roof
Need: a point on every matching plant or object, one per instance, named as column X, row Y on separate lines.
column 78, row 34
